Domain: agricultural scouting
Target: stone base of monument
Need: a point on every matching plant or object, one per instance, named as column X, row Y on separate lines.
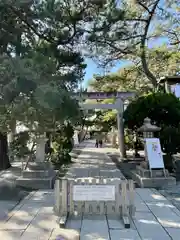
column 38, row 175
column 152, row 179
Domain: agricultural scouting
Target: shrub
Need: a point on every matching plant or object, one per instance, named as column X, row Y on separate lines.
column 170, row 140
column 62, row 145
column 164, row 110
column 170, row 144
column 19, row 146
column 132, row 140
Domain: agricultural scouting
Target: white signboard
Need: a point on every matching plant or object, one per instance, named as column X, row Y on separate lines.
column 154, row 153
column 93, row 193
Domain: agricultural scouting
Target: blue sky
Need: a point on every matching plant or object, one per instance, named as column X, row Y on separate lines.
column 92, row 67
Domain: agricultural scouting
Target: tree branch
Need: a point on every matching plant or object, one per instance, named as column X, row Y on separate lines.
column 30, row 26
column 175, row 43
column 148, row 73
column 135, row 19
column 175, row 37
column 49, row 39
column 144, row 6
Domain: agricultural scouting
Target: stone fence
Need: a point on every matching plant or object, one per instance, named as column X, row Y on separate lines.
column 92, row 197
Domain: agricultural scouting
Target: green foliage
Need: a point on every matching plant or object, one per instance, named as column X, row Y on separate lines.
column 164, row 111
column 128, row 33
column 133, row 141
column 161, row 108
column 62, row 145
column 170, row 143
column 30, row 92
column 162, row 62
column 170, row 139
column 40, row 61
column 19, row 146
column 128, row 139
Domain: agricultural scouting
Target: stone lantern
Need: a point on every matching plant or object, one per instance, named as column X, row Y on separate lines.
column 148, row 129
column 144, row 176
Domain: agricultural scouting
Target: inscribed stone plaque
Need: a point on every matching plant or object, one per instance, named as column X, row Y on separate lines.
column 154, row 153
column 94, row 193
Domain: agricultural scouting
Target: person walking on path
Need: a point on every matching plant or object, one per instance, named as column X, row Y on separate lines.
column 97, row 143
column 99, row 140
column 100, row 143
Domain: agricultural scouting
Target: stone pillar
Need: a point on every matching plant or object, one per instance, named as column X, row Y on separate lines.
column 40, row 148
column 120, row 124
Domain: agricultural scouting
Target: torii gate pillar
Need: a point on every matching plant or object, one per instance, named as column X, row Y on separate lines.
column 120, row 126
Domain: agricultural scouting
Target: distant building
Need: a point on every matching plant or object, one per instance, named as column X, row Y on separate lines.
column 171, row 85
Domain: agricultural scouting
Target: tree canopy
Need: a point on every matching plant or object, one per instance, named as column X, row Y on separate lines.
column 162, row 62
column 162, row 109
column 133, row 25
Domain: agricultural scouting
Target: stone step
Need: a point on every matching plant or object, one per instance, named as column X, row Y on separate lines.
column 36, row 183
column 36, row 173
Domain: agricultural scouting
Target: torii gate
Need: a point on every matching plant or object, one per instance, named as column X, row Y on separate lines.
column 118, row 105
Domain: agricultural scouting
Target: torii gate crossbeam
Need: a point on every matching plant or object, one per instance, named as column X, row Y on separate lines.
column 104, row 95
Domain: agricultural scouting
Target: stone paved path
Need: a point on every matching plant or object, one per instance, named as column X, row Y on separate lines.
column 155, row 219
column 93, row 162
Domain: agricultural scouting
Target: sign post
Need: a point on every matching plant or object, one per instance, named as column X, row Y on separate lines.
column 154, row 154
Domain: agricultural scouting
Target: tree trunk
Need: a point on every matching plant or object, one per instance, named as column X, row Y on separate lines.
column 4, row 158
column 13, row 131
column 143, row 47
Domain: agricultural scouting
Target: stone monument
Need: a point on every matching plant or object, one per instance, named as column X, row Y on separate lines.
column 151, row 172
column 40, row 173
column 40, row 148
